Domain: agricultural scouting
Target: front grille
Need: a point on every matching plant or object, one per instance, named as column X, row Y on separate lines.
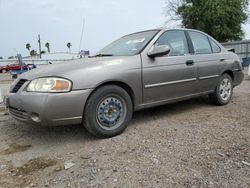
column 18, row 113
column 18, row 85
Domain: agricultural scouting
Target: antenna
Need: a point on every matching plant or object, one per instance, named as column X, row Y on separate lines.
column 83, row 25
column 15, row 50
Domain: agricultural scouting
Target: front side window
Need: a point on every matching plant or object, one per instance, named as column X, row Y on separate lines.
column 177, row 42
column 200, row 43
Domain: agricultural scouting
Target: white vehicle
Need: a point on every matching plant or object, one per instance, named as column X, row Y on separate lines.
column 249, row 70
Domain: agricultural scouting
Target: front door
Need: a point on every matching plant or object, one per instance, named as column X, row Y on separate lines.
column 171, row 76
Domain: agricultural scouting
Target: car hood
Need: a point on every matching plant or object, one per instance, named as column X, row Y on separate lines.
column 63, row 69
column 87, row 72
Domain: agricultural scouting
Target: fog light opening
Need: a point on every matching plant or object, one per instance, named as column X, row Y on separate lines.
column 35, row 117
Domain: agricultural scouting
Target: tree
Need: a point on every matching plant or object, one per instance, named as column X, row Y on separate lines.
column 171, row 12
column 47, row 45
column 222, row 19
column 33, row 53
column 28, row 46
column 69, row 45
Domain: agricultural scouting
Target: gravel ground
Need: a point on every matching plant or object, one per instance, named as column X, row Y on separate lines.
column 187, row 144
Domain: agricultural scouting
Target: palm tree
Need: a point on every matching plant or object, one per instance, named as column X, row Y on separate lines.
column 69, row 45
column 28, row 46
column 47, row 45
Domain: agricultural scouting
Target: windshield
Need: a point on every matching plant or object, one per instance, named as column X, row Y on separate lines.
column 128, row 45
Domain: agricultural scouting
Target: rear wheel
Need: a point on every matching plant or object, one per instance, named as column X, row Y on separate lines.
column 223, row 92
column 108, row 111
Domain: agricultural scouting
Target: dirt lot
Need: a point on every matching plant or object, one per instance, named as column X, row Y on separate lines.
column 188, row 144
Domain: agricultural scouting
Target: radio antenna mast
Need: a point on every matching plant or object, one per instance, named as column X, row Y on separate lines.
column 83, row 25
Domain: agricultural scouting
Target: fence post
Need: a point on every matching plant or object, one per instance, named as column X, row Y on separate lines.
column 1, row 96
column 247, row 49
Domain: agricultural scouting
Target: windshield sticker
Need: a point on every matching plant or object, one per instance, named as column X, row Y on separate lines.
column 134, row 49
column 135, row 41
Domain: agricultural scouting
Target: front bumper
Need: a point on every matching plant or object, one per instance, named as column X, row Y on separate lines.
column 47, row 109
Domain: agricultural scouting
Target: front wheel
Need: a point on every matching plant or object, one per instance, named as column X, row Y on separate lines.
column 223, row 92
column 108, row 111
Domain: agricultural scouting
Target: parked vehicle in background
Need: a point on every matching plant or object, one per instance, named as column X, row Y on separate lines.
column 249, row 70
column 31, row 66
column 137, row 71
column 15, row 73
column 12, row 67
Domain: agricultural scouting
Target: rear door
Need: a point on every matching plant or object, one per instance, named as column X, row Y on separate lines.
column 208, row 59
column 171, row 76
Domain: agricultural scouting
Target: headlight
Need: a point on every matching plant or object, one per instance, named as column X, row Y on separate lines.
column 49, row 84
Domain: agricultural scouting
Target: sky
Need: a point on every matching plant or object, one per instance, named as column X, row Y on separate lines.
column 61, row 21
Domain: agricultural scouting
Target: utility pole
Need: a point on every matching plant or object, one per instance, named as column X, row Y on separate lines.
column 39, row 42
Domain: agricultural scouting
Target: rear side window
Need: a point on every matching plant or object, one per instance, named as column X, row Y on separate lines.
column 215, row 47
column 177, row 42
column 200, row 43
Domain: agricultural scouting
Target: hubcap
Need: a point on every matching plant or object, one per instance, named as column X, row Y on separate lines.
column 110, row 112
column 225, row 89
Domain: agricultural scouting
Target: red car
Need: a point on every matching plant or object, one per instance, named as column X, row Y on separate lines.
column 13, row 66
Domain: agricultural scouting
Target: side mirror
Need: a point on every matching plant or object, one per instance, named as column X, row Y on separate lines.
column 159, row 50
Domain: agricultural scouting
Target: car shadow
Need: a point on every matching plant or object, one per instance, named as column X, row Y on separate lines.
column 171, row 109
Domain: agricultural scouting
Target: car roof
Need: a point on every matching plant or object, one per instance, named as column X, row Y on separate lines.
column 182, row 29
column 142, row 32
column 165, row 29
column 162, row 30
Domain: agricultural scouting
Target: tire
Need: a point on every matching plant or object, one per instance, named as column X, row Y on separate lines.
column 223, row 92
column 108, row 111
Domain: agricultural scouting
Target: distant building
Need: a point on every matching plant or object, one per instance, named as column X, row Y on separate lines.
column 242, row 49
column 54, row 56
column 47, row 58
column 84, row 53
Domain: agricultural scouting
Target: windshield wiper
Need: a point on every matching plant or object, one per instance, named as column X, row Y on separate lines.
column 102, row 55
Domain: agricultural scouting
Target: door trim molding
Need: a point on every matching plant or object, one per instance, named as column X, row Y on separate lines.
column 172, row 100
column 208, row 77
column 169, row 83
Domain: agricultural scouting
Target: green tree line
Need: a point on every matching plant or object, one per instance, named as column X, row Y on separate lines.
column 222, row 19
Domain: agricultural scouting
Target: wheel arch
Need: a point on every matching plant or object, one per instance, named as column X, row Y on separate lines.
column 230, row 73
column 121, row 84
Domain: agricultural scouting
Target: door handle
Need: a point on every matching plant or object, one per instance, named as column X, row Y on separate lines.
column 222, row 59
column 189, row 62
